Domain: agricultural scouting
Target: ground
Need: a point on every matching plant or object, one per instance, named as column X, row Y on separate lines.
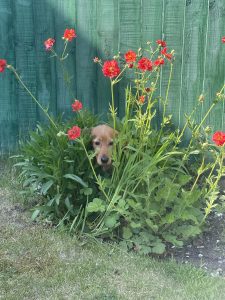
column 208, row 250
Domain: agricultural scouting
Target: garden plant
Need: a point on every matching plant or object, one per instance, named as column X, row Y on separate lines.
column 161, row 187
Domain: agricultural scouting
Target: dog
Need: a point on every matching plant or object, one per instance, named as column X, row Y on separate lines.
column 102, row 141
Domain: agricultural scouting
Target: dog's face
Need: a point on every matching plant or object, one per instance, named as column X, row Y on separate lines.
column 102, row 140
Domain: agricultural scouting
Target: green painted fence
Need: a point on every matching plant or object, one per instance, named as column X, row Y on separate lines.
column 193, row 28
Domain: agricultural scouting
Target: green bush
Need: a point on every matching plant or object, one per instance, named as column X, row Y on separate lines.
column 161, row 188
column 57, row 169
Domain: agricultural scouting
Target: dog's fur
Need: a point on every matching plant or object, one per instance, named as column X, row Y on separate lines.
column 102, row 141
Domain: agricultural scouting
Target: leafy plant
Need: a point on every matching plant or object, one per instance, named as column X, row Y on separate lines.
column 57, row 169
column 161, row 189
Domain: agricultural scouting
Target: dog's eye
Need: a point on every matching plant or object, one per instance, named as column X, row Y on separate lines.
column 111, row 143
column 97, row 143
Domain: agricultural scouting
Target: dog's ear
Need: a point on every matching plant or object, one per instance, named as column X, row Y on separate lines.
column 92, row 133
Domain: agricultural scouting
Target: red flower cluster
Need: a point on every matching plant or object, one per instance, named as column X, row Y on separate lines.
column 161, row 43
column 159, row 61
column 219, row 138
column 77, row 105
column 111, row 68
column 130, row 56
column 74, row 133
column 165, row 54
column 69, row 34
column 49, row 44
column 3, row 65
column 223, row 39
column 145, row 64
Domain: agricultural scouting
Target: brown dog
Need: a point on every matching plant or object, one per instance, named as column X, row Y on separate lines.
column 102, row 140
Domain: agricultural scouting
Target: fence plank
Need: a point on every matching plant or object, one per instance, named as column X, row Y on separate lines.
column 195, row 40
column 173, row 30
column 107, row 41
column 46, row 88
column 130, row 38
column 26, row 63
column 86, row 80
column 8, row 104
column 215, row 71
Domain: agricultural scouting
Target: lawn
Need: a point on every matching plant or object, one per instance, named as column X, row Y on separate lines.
column 40, row 262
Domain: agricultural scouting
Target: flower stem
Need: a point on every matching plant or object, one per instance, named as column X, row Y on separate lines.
column 32, row 96
column 93, row 170
column 113, row 106
column 64, row 50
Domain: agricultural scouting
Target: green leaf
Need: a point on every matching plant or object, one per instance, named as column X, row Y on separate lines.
column 188, row 231
column 145, row 250
column 57, row 198
column 159, row 248
column 153, row 226
column 173, row 240
column 46, row 186
column 195, row 152
column 68, row 203
column 35, row 214
column 86, row 191
column 135, row 225
column 76, row 179
column 127, row 233
column 97, row 205
column 111, row 221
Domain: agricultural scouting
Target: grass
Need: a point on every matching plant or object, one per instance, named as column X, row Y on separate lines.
column 38, row 262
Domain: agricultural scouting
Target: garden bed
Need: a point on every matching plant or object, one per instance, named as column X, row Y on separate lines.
column 206, row 251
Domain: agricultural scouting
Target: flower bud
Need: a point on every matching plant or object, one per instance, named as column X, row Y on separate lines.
column 60, row 133
column 201, row 98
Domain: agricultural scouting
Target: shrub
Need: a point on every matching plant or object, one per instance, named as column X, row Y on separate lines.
column 57, row 169
column 161, row 189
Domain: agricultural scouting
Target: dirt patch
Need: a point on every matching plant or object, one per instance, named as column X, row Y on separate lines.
column 208, row 250
column 12, row 214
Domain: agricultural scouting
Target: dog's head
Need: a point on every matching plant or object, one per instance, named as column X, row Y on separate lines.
column 102, row 140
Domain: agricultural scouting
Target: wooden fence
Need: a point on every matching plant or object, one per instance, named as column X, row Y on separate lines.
column 193, row 28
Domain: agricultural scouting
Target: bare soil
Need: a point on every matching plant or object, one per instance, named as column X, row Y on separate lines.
column 208, row 250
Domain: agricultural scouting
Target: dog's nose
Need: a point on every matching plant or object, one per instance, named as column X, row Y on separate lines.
column 104, row 159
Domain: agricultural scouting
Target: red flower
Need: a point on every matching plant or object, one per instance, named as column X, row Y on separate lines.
column 77, row 105
column 130, row 66
column 130, row 56
column 219, row 138
column 158, row 62
column 3, row 65
column 74, row 133
column 161, row 43
column 111, row 68
column 69, row 34
column 49, row 44
column 145, row 64
column 142, row 99
column 223, row 39
column 167, row 55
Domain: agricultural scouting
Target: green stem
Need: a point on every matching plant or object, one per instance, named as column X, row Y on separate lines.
column 32, row 96
column 199, row 173
column 165, row 104
column 209, row 110
column 113, row 105
column 93, row 170
column 64, row 50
